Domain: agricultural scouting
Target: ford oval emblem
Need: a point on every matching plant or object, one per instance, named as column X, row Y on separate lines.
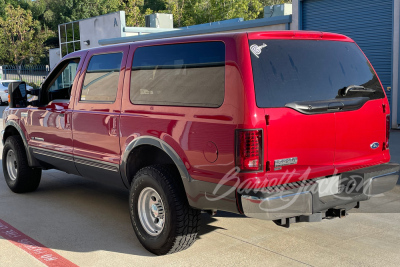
column 375, row 145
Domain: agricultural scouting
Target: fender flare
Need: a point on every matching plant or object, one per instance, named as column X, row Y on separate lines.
column 164, row 146
column 31, row 160
column 196, row 190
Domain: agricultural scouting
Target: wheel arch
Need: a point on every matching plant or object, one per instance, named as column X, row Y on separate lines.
column 12, row 128
column 147, row 150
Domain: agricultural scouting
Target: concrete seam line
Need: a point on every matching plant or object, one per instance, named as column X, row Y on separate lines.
column 40, row 252
column 277, row 253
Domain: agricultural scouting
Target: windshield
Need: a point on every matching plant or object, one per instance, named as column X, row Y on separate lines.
column 288, row 71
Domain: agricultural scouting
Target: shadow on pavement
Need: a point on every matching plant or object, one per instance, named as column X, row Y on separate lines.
column 74, row 214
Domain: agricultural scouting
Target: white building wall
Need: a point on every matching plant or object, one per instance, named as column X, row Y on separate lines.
column 54, row 57
column 295, row 15
column 101, row 27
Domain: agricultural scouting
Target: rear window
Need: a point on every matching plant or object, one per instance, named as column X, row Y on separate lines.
column 179, row 75
column 287, row 71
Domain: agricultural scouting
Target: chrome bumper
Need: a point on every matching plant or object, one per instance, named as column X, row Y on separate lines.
column 306, row 201
column 277, row 207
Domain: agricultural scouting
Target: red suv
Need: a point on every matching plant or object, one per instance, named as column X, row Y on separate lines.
column 284, row 126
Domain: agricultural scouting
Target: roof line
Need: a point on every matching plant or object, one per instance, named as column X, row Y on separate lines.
column 197, row 31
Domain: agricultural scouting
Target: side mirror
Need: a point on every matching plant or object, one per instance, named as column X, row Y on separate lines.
column 35, row 92
column 18, row 95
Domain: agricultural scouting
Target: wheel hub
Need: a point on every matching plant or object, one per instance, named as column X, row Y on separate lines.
column 151, row 211
column 12, row 165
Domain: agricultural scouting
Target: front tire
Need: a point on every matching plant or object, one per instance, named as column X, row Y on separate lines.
column 19, row 177
column 161, row 216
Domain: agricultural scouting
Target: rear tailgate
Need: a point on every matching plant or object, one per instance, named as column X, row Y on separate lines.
column 324, row 104
column 360, row 137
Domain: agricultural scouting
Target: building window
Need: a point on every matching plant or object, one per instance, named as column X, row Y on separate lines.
column 69, row 38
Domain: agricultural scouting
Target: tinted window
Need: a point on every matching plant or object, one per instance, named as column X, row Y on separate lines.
column 288, row 71
column 179, row 75
column 101, row 80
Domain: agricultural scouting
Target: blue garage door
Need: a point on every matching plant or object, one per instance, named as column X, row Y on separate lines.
column 368, row 22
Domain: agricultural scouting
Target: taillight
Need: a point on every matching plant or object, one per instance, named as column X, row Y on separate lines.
column 387, row 130
column 249, row 150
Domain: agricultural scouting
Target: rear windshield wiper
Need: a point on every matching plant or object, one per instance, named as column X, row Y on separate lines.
column 355, row 89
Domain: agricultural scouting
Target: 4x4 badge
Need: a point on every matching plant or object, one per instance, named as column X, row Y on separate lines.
column 375, row 145
column 256, row 50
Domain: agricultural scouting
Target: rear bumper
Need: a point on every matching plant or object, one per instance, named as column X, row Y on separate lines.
column 303, row 198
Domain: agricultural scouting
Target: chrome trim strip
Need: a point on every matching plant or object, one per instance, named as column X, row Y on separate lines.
column 37, row 139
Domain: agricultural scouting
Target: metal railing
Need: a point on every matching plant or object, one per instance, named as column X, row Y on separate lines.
column 29, row 74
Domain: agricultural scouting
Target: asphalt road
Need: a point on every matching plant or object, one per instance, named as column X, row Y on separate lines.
column 88, row 224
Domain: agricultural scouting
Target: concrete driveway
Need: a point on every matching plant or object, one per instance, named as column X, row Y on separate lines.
column 88, row 225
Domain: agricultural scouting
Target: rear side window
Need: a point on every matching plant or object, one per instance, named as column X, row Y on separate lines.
column 179, row 75
column 287, row 71
column 101, row 80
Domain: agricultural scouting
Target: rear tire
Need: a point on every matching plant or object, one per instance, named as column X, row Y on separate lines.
column 161, row 216
column 19, row 177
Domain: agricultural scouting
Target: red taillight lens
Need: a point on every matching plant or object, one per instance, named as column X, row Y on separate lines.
column 249, row 150
column 387, row 130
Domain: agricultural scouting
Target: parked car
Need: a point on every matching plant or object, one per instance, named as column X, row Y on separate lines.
column 4, row 90
column 284, row 126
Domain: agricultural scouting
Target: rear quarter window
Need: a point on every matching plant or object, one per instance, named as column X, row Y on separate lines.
column 190, row 74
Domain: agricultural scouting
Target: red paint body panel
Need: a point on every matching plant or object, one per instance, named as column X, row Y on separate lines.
column 96, row 125
column 53, row 122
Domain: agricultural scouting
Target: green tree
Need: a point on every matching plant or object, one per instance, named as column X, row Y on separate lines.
column 135, row 11
column 21, row 37
column 54, row 12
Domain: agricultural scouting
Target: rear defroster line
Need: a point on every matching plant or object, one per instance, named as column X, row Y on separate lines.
column 45, row 255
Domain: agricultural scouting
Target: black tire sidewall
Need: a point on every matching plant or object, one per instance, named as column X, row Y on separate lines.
column 7, row 147
column 28, row 179
column 152, row 243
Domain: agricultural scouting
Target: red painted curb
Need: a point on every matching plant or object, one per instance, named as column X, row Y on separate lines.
column 31, row 246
